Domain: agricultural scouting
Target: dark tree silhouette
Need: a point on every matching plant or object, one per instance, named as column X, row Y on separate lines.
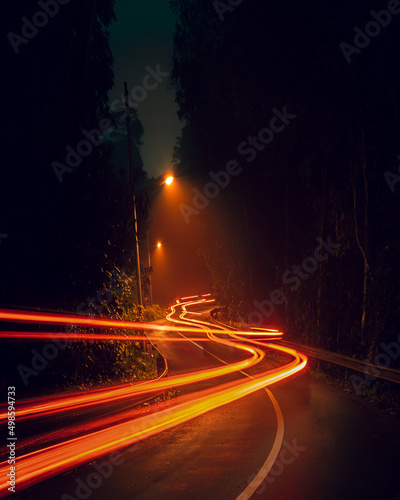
column 322, row 175
column 65, row 205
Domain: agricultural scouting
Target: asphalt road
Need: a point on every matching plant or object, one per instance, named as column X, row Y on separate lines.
column 334, row 446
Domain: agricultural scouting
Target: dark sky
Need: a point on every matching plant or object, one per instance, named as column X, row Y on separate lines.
column 142, row 37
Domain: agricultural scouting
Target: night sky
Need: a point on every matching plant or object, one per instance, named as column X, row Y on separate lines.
column 143, row 36
column 234, row 73
column 280, row 121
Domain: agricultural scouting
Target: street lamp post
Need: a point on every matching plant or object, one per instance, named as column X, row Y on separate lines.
column 150, row 270
column 150, row 266
column 139, row 279
column 131, row 185
column 163, row 179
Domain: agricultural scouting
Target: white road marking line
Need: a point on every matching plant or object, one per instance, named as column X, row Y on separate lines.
column 276, row 447
column 264, row 471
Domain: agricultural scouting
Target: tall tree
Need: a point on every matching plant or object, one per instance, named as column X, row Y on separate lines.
column 63, row 205
column 321, row 176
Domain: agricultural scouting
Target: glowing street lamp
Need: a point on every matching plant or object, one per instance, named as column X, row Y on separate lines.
column 159, row 244
column 163, row 179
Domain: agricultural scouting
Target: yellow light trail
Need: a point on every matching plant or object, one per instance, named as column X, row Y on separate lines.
column 51, row 460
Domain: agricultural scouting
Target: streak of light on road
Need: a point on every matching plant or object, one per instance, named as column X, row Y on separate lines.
column 38, row 465
column 58, row 319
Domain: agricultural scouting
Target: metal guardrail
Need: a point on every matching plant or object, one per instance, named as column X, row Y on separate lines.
column 372, row 370
column 162, row 365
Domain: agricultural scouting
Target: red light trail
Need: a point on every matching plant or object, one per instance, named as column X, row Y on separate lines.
column 58, row 319
column 38, row 465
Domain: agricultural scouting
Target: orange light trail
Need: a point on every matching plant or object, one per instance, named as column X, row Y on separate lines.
column 38, row 465
column 51, row 406
column 59, row 319
column 55, row 459
column 94, row 337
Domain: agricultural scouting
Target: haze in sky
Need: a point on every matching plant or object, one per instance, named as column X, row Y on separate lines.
column 142, row 37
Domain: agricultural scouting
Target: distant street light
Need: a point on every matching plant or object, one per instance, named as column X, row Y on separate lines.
column 150, row 267
column 162, row 179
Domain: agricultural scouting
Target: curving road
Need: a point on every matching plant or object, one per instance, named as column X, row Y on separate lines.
column 296, row 439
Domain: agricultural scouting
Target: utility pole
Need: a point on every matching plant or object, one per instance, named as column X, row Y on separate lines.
column 150, row 270
column 132, row 189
